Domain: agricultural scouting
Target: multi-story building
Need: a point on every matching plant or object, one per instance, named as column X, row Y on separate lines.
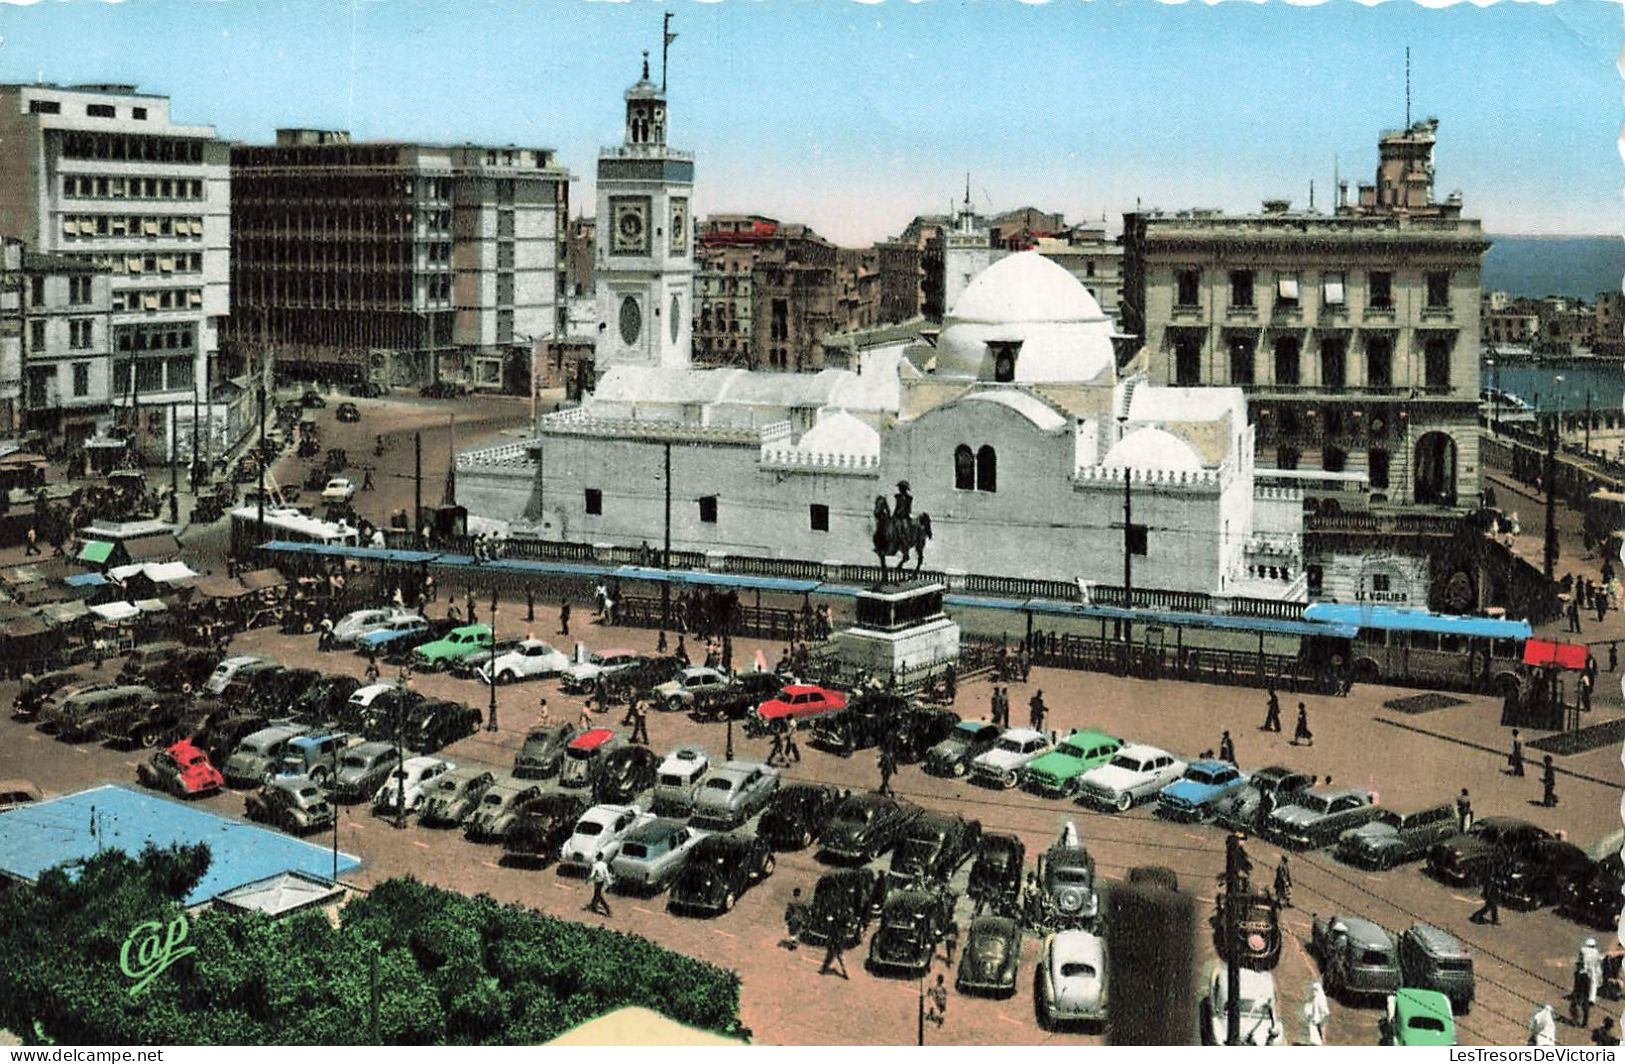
column 101, row 174
column 724, row 287
column 1610, row 328
column 58, row 339
column 1511, row 327
column 795, row 299
column 404, row 263
column 857, row 283
column 925, row 235
column 974, row 243
column 1355, row 337
column 898, row 263
column 1096, row 260
column 583, row 288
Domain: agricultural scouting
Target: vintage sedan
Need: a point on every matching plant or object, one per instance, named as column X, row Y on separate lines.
column 35, row 690
column 1262, row 1015
column 797, row 815
column 498, row 809
column 1056, row 774
column 969, row 740
column 718, row 871
column 625, row 774
column 183, row 770
column 1134, row 773
column 529, row 659
column 933, row 846
column 1393, row 838
column 599, row 833
column 1593, row 899
column 676, row 777
column 323, row 702
column 584, row 756
column 912, row 923
column 295, row 804
column 362, row 769
column 844, row 901
column 81, row 715
column 867, row 825
column 1316, row 818
column 455, row 645
column 863, row 723
column 651, row 855
column 1192, row 797
column 734, row 791
column 455, row 796
column 338, row 489
column 543, row 751
column 1073, row 979
column 1433, row 959
column 357, row 623
column 1068, row 885
column 1257, row 928
column 1016, row 749
column 990, row 957
column 997, row 873
column 541, row 828
column 801, row 702
column 1239, row 809
column 395, row 636
column 679, row 693
column 434, row 723
column 1416, row 1017
column 582, row 676
column 258, row 754
column 1540, row 874
column 409, row 785
column 1358, row 958
column 1466, row 857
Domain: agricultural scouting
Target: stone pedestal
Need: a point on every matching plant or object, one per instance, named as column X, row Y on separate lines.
column 901, row 634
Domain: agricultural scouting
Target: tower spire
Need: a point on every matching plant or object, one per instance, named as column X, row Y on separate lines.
column 666, row 37
column 646, row 64
column 1407, row 88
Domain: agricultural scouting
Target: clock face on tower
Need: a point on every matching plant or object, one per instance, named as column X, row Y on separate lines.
column 630, row 217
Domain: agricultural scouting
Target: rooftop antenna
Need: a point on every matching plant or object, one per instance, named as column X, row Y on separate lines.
column 967, row 190
column 1407, row 88
column 666, row 37
column 1337, row 195
column 1311, row 195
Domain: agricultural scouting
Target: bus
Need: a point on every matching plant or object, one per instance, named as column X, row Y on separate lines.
column 287, row 524
column 1422, row 649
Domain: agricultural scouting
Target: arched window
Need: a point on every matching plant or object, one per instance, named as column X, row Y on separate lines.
column 964, row 469
column 987, row 469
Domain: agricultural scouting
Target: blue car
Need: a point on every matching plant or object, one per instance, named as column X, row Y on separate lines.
column 402, row 631
column 1192, row 796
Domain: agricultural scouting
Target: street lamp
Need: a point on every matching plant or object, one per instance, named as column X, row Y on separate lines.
column 1495, row 393
column 491, row 716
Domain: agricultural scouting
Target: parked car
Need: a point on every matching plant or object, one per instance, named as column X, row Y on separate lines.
column 797, row 815
column 312, row 399
column 1316, row 818
column 394, row 636
column 1257, row 942
column 1134, row 774
column 1540, row 874
column 1056, row 774
column 276, row 689
column 409, row 784
column 498, row 809
column 801, row 702
column 369, row 390
column 1192, row 797
column 357, row 623
column 1357, row 957
column 338, row 489
column 455, row 796
column 863, row 723
column 990, row 957
column 434, row 723
column 35, row 690
column 625, row 774
column 314, row 755
column 323, row 701
column 599, row 833
column 933, row 846
column 372, row 707
column 867, row 825
column 734, row 791
column 968, row 740
column 1016, row 749
column 584, row 756
column 543, row 751
column 542, row 825
column 171, row 666
column 258, row 753
column 1073, row 979
column 348, row 412
column 1239, row 809
column 912, row 923
column 1464, row 858
column 530, row 659
column 222, row 732
column 676, row 778
column 1415, row 1017
column 362, row 770
column 146, row 724
column 17, row 793
column 651, row 855
column 183, row 770
column 454, row 645
column 82, row 714
column 1261, row 1014
column 1593, row 899
column 293, row 803
column 679, row 693
column 1392, row 838
column 843, row 903
column 1066, row 878
column 1433, row 959
column 1157, row 876
column 476, row 666
column 719, row 869
column 997, row 873
column 582, row 677
column 739, row 699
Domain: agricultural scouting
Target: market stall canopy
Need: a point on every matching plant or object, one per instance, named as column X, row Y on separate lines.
column 116, row 612
column 151, row 605
column 17, row 622
column 262, row 580
column 64, row 612
column 95, row 551
column 1558, row 655
column 153, row 548
column 157, row 572
column 220, row 587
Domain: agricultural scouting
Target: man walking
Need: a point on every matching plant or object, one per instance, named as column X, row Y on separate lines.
column 1301, row 735
column 1283, row 884
column 792, row 752
column 600, row 879
column 640, row 722
column 775, row 756
column 1515, row 759
column 1316, row 1013
column 1464, row 811
column 1613, row 657
column 1037, row 709
column 888, row 765
column 1227, row 748
column 1490, row 911
column 1548, row 782
column 835, row 944
column 795, row 916
column 1574, row 615
column 1272, row 713
column 564, row 619
column 1587, row 977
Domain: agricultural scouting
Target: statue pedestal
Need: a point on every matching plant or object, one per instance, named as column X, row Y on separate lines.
column 902, row 634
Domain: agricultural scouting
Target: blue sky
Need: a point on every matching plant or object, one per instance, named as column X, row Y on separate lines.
column 855, row 117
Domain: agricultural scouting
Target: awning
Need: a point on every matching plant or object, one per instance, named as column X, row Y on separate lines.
column 115, row 612
column 262, row 579
column 220, row 587
column 64, row 612
column 151, row 605
column 1287, row 288
column 1552, row 653
column 1334, row 293
column 153, row 548
column 85, row 580
column 157, row 572
column 96, row 552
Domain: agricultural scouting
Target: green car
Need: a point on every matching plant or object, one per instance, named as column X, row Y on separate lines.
column 1418, row 1018
column 1056, row 774
column 455, row 645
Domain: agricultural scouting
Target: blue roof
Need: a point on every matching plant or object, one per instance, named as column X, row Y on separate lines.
column 36, row 837
column 377, row 554
column 1263, row 625
column 86, row 580
column 1394, row 618
column 752, row 583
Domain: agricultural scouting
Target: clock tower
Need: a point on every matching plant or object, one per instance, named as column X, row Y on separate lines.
column 645, row 249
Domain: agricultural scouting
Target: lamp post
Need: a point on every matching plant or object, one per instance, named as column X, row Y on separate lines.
column 1495, row 393
column 491, row 716
column 1557, row 417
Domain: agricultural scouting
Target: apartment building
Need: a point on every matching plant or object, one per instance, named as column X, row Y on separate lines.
column 56, row 385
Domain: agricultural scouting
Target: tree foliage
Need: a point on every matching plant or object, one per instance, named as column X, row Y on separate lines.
column 450, row 968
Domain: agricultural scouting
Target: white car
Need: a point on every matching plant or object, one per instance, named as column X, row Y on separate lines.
column 364, row 697
column 599, row 833
column 227, row 669
column 677, row 694
column 1072, row 978
column 581, row 676
column 1135, row 773
column 1261, row 1023
column 530, row 658
column 353, row 626
column 415, row 778
column 677, row 777
column 339, row 489
column 1002, row 765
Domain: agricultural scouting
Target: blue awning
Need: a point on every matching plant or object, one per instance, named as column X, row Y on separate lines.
column 1395, row 618
column 1264, row 625
column 86, row 580
column 739, row 580
column 375, row 554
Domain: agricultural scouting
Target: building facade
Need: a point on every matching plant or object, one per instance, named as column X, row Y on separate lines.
column 60, row 338
column 397, row 263
column 102, row 175
column 724, row 288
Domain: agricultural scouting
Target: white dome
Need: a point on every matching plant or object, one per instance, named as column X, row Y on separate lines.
column 1154, row 449
column 1027, row 299
column 838, row 432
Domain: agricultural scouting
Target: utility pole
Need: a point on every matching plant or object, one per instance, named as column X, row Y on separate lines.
column 1128, row 571
column 1233, row 858
column 196, row 452
column 666, row 37
column 334, row 780
column 665, row 557
column 1550, row 560
column 400, row 760
column 491, row 717
column 1588, row 422
column 174, row 465
column 260, row 526
column 417, row 490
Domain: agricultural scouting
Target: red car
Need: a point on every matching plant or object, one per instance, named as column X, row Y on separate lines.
column 802, row 701
column 183, row 770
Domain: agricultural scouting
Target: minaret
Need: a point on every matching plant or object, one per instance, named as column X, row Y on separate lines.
column 967, row 251
column 644, row 253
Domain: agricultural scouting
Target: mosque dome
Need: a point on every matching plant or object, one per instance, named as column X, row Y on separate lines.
column 838, row 432
column 1154, row 450
column 1030, row 314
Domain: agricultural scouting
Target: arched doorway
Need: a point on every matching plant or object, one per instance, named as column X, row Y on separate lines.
column 1436, row 470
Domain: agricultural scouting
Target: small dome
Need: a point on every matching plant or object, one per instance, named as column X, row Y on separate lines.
column 1027, row 305
column 838, row 432
column 1154, row 449
column 1025, row 287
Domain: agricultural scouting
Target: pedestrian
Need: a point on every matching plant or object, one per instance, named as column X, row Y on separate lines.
column 1574, row 615
column 1602, row 606
column 372, row 666
column 1301, row 734
column 1316, row 1013
column 564, row 619
column 631, row 709
column 640, row 722
column 1587, row 978
column 600, row 879
column 1585, row 692
column 1604, row 1034
column 888, row 765
column 1272, row 713
column 1464, row 811
column 1548, row 782
column 993, row 706
column 544, row 716
column 324, row 640
column 792, row 752
column 1227, row 748
column 795, row 917
column 1036, row 710
column 453, row 614
column 366, row 479
column 1490, row 911
column 1266, row 806
column 937, row 1011
column 530, row 604
column 1283, row 884
column 775, row 756
column 584, row 719
column 430, row 591
column 1515, row 759
column 33, row 542
column 1543, row 1027
column 1613, row 657
column 835, row 944
column 950, row 944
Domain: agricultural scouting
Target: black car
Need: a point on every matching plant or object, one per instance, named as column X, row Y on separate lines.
column 221, row 733
column 368, row 390
column 843, row 903
column 443, row 390
column 1257, row 916
column 1466, row 857
column 641, row 677
column 348, row 412
column 439, row 722
column 861, row 725
column 312, row 399
column 324, row 700
column 933, row 846
column 911, row 924
column 543, row 751
column 797, row 815
column 719, row 869
column 147, row 724
column 1240, row 808
column 738, row 700
column 920, row 730
column 36, row 689
column 867, row 825
column 541, row 827
column 183, row 669
column 964, row 743
column 1540, row 874
column 1593, row 898
column 997, row 873
column 625, row 773
column 992, row 953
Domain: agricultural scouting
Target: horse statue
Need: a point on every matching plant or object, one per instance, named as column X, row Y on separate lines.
column 899, row 536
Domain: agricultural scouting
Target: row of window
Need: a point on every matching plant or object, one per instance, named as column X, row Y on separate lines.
column 80, row 186
column 156, row 298
column 1289, row 289
column 1288, row 362
column 79, row 290
column 978, row 471
column 81, row 334
column 92, row 110
column 817, row 513
column 154, row 375
column 42, row 384
column 127, row 225
column 131, row 147
column 154, row 337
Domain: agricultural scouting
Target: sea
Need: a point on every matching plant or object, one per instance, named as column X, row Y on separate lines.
column 1539, row 387
column 1537, row 266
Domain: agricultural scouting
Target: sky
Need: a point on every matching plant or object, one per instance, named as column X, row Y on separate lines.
column 854, row 117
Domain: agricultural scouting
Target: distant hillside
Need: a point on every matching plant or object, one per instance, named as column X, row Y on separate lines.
column 1555, row 266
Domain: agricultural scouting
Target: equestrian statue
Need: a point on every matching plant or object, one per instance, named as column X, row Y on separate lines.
column 898, row 532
